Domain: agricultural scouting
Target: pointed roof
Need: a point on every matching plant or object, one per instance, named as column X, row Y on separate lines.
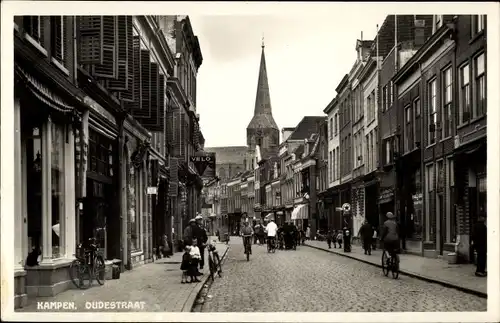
column 263, row 116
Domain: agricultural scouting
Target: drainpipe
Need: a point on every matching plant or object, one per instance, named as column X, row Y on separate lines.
column 422, row 170
column 122, row 198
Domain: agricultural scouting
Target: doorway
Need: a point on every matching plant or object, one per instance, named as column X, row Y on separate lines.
column 440, row 210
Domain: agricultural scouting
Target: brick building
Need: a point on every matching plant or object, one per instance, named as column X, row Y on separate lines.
column 440, row 103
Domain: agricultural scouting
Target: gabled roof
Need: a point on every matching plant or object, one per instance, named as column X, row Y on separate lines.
column 306, row 127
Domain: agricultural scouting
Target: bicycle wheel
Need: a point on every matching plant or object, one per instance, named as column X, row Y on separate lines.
column 211, row 267
column 385, row 268
column 218, row 264
column 99, row 269
column 79, row 273
column 248, row 254
column 395, row 266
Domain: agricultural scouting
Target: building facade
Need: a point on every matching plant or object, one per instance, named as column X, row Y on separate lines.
column 92, row 162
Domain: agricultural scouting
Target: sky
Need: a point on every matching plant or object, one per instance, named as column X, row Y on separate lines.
column 306, row 57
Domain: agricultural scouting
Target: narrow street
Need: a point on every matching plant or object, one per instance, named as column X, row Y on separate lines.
column 308, row 280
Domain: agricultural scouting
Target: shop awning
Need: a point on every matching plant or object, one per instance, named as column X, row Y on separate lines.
column 301, row 212
column 42, row 91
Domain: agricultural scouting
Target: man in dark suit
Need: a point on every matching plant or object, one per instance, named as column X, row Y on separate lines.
column 479, row 241
column 201, row 235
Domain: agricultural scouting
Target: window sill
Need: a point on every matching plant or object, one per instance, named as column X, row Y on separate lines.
column 476, row 37
column 465, row 124
column 59, row 66
column 36, row 44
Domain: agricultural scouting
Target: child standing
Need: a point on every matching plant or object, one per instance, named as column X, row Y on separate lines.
column 339, row 238
column 187, row 266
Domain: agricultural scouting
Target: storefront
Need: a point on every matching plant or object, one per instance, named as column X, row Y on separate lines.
column 470, row 192
column 44, row 148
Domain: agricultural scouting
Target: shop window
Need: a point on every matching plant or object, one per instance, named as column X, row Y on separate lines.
column 58, row 189
column 34, row 186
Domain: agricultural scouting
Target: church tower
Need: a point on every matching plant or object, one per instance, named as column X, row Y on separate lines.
column 262, row 130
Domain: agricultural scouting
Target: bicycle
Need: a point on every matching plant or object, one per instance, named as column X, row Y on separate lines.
column 247, row 242
column 214, row 263
column 390, row 264
column 89, row 264
column 271, row 244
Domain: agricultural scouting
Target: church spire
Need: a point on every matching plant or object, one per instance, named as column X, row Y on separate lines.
column 263, row 116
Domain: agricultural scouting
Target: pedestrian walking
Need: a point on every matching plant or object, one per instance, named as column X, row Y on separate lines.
column 366, row 233
column 479, row 243
column 308, row 233
column 339, row 238
column 329, row 237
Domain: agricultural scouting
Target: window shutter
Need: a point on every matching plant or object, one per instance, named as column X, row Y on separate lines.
column 107, row 68
column 176, row 132
column 128, row 94
column 161, row 103
column 120, row 83
column 135, row 104
column 145, row 106
column 56, row 37
column 90, row 32
column 151, row 123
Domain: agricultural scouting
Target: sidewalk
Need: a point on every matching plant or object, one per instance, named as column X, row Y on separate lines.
column 157, row 284
column 459, row 276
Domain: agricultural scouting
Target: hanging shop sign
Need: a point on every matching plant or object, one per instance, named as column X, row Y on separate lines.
column 205, row 164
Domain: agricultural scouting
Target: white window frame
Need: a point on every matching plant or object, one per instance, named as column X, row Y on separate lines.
column 432, row 111
column 478, row 24
column 447, row 103
column 476, row 77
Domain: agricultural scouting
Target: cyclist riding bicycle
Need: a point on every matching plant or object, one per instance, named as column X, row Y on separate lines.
column 390, row 234
column 247, row 233
column 271, row 230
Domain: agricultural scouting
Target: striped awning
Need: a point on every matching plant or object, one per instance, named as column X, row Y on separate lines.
column 300, row 212
column 42, row 91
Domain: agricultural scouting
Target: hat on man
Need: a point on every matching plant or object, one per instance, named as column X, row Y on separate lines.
column 390, row 215
column 192, row 220
column 198, row 217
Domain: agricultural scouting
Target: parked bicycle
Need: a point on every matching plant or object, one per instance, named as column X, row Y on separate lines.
column 390, row 263
column 88, row 265
column 214, row 262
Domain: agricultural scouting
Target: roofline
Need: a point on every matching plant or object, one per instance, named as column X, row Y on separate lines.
column 342, row 83
column 367, row 67
column 330, row 106
column 428, row 45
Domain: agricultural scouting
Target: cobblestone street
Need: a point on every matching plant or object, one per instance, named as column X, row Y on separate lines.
column 313, row 280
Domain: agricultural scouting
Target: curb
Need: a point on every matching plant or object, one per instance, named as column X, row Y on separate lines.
column 410, row 274
column 189, row 304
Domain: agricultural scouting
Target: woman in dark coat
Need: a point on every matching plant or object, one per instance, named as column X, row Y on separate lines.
column 366, row 233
